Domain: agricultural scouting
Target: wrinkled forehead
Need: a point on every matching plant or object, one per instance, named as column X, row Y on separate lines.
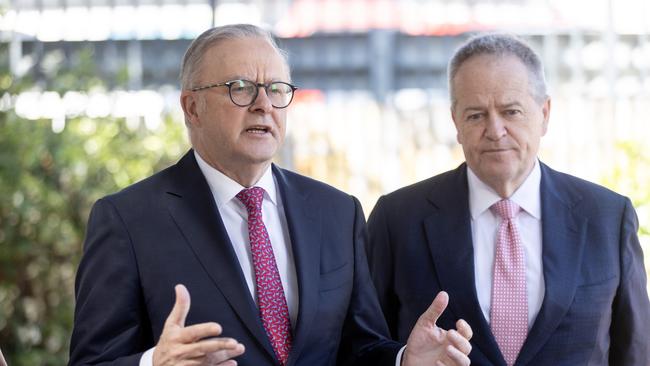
column 250, row 57
column 486, row 75
column 489, row 63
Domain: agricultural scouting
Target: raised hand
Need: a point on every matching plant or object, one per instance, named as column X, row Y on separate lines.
column 429, row 344
column 194, row 345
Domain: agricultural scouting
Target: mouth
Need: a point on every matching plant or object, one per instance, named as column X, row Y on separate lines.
column 495, row 150
column 258, row 130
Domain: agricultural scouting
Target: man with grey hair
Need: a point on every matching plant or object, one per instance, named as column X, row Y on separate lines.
column 275, row 262
column 547, row 268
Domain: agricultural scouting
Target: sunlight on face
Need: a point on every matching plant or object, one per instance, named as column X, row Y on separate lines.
column 232, row 137
column 498, row 122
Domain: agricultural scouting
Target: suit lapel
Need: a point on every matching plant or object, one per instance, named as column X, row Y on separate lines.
column 304, row 224
column 449, row 236
column 192, row 207
column 563, row 239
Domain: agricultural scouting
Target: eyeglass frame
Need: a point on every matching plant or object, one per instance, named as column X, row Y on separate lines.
column 257, row 90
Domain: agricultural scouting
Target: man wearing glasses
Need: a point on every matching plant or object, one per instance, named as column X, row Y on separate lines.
column 274, row 261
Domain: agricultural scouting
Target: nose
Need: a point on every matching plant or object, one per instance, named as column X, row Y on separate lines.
column 262, row 103
column 495, row 128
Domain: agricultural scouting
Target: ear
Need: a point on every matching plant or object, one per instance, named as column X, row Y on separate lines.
column 546, row 112
column 190, row 106
column 453, row 118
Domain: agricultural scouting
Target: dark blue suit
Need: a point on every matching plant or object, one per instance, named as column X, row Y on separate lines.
column 595, row 309
column 167, row 230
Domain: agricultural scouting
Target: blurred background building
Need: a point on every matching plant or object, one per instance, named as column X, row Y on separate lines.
column 372, row 112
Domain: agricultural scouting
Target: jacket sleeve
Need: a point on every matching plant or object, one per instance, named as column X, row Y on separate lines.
column 365, row 335
column 631, row 308
column 380, row 259
column 111, row 326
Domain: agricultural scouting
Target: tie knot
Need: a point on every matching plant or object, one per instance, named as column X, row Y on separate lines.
column 252, row 199
column 506, row 209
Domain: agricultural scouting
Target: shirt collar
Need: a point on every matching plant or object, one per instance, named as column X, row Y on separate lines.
column 224, row 189
column 527, row 196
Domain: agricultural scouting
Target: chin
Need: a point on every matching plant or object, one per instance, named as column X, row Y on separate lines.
column 499, row 171
column 260, row 153
column 260, row 158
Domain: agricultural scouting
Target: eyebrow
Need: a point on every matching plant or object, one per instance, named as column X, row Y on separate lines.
column 500, row 106
column 472, row 109
column 235, row 77
column 240, row 77
column 511, row 104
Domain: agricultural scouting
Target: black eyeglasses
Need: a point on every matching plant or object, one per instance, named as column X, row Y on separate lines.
column 244, row 92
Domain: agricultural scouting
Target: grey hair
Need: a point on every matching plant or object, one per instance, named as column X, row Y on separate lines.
column 500, row 44
column 213, row 36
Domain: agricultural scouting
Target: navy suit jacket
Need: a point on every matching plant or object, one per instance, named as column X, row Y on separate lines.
column 167, row 230
column 595, row 309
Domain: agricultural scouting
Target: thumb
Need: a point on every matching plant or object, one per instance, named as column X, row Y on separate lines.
column 439, row 304
column 181, row 307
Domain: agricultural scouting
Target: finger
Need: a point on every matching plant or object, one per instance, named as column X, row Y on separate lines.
column 225, row 355
column 456, row 357
column 464, row 329
column 228, row 363
column 208, row 347
column 459, row 342
column 439, row 304
column 199, row 331
column 181, row 307
column 196, row 362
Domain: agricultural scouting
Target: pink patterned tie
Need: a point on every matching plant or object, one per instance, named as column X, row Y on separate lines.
column 509, row 310
column 270, row 294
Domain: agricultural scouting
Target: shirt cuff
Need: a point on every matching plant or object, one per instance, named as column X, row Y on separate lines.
column 147, row 357
column 398, row 359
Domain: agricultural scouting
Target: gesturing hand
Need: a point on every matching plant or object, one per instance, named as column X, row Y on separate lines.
column 430, row 345
column 192, row 346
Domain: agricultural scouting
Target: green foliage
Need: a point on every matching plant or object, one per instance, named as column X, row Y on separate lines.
column 631, row 176
column 48, row 182
column 76, row 73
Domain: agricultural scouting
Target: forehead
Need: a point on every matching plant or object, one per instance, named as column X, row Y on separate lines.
column 251, row 57
column 503, row 78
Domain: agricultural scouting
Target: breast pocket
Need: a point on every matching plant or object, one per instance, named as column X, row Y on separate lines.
column 602, row 291
column 587, row 320
column 335, row 278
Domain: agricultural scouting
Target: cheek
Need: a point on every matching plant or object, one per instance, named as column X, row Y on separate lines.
column 469, row 136
column 214, row 134
column 280, row 118
column 221, row 127
column 461, row 134
column 530, row 137
column 544, row 127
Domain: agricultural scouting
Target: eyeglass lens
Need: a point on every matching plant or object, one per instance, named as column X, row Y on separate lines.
column 244, row 92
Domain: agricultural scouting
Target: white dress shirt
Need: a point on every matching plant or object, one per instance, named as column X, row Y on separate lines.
column 484, row 230
column 235, row 219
